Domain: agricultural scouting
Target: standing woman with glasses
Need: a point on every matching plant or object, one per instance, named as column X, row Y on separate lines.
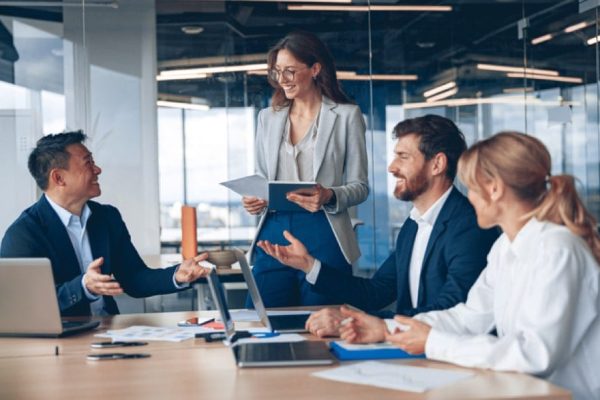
column 311, row 132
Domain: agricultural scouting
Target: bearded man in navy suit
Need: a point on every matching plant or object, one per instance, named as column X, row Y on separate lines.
column 440, row 250
column 87, row 243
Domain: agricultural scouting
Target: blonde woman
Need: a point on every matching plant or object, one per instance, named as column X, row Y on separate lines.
column 539, row 291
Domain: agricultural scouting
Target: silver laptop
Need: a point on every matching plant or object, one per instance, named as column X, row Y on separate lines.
column 279, row 323
column 266, row 354
column 28, row 304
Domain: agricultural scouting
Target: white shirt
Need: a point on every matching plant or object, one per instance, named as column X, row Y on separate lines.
column 296, row 161
column 76, row 229
column 425, row 224
column 541, row 293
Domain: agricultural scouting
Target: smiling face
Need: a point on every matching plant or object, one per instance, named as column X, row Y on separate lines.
column 81, row 177
column 302, row 84
column 410, row 169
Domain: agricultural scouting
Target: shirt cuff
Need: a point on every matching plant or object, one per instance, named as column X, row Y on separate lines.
column 438, row 343
column 312, row 276
column 88, row 294
column 179, row 285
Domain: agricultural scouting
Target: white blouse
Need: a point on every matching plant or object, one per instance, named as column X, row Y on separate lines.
column 296, row 161
column 540, row 292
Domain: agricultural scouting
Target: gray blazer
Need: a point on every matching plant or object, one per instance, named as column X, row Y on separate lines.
column 340, row 162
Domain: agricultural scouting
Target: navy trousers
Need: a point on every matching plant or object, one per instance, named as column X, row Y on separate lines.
column 283, row 286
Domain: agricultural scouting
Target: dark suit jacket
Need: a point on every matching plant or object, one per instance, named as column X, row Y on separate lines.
column 39, row 232
column 455, row 255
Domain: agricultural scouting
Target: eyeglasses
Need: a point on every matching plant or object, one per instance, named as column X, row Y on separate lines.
column 287, row 74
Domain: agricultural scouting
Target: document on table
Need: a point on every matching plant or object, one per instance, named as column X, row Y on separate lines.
column 283, row 338
column 168, row 334
column 393, row 376
column 252, row 316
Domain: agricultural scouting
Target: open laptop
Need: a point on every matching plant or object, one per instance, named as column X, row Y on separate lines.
column 255, row 354
column 279, row 323
column 28, row 303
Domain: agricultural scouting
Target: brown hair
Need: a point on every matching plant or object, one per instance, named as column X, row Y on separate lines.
column 523, row 163
column 308, row 49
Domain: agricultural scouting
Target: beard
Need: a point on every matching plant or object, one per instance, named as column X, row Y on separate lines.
column 413, row 187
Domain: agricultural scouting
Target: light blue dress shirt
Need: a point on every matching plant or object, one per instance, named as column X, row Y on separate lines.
column 76, row 229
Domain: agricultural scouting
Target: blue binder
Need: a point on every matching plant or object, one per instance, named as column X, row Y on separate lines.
column 378, row 351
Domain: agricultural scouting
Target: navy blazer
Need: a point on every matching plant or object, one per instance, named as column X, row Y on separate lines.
column 39, row 232
column 455, row 256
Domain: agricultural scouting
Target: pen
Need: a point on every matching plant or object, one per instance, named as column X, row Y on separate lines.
column 346, row 321
column 116, row 356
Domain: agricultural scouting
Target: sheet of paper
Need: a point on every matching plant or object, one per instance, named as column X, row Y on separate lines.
column 253, row 185
column 393, row 376
column 284, row 338
column 140, row 332
column 252, row 316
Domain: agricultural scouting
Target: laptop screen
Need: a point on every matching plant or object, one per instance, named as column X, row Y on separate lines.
column 253, row 289
column 218, row 293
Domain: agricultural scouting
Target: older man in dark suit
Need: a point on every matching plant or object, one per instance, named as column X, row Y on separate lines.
column 440, row 250
column 87, row 243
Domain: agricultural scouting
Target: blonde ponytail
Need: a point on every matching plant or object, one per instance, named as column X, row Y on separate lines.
column 561, row 204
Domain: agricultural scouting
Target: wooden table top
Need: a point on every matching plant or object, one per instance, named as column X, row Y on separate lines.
column 29, row 369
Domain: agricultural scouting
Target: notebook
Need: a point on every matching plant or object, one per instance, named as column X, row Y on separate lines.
column 279, row 323
column 28, row 303
column 266, row 354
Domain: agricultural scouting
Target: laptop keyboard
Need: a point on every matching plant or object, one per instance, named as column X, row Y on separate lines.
column 267, row 352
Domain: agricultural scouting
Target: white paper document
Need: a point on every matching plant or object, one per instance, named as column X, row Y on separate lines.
column 253, row 185
column 252, row 316
column 283, row 338
column 151, row 333
column 393, row 376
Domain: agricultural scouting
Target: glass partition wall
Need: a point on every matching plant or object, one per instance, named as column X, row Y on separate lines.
column 525, row 65
column 169, row 92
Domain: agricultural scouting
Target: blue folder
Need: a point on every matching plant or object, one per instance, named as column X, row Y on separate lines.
column 379, row 351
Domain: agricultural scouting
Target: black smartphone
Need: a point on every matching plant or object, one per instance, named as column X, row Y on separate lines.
column 115, row 356
column 108, row 345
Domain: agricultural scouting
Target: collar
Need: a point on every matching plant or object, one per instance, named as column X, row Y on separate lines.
column 66, row 216
column 430, row 216
column 521, row 244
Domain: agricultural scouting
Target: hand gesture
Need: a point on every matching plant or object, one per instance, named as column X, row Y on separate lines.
column 253, row 205
column 411, row 336
column 190, row 270
column 311, row 199
column 361, row 327
column 98, row 283
column 294, row 255
column 325, row 322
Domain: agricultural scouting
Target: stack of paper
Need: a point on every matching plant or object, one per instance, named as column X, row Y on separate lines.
column 393, row 376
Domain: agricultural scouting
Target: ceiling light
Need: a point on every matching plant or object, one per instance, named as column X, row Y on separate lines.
column 593, row 40
column 366, row 8
column 440, row 88
column 507, row 68
column 569, row 79
column 443, row 95
column 541, row 39
column 181, row 77
column 378, row 77
column 88, row 3
column 214, row 70
column 517, row 90
column 192, row 29
column 576, row 27
column 508, row 100
column 178, row 104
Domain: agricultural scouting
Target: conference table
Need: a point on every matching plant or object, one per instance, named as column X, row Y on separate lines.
column 57, row 368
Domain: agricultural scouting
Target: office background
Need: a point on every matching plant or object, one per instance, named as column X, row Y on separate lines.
column 169, row 91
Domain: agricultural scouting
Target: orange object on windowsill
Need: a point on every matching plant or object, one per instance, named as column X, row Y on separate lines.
column 189, row 240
